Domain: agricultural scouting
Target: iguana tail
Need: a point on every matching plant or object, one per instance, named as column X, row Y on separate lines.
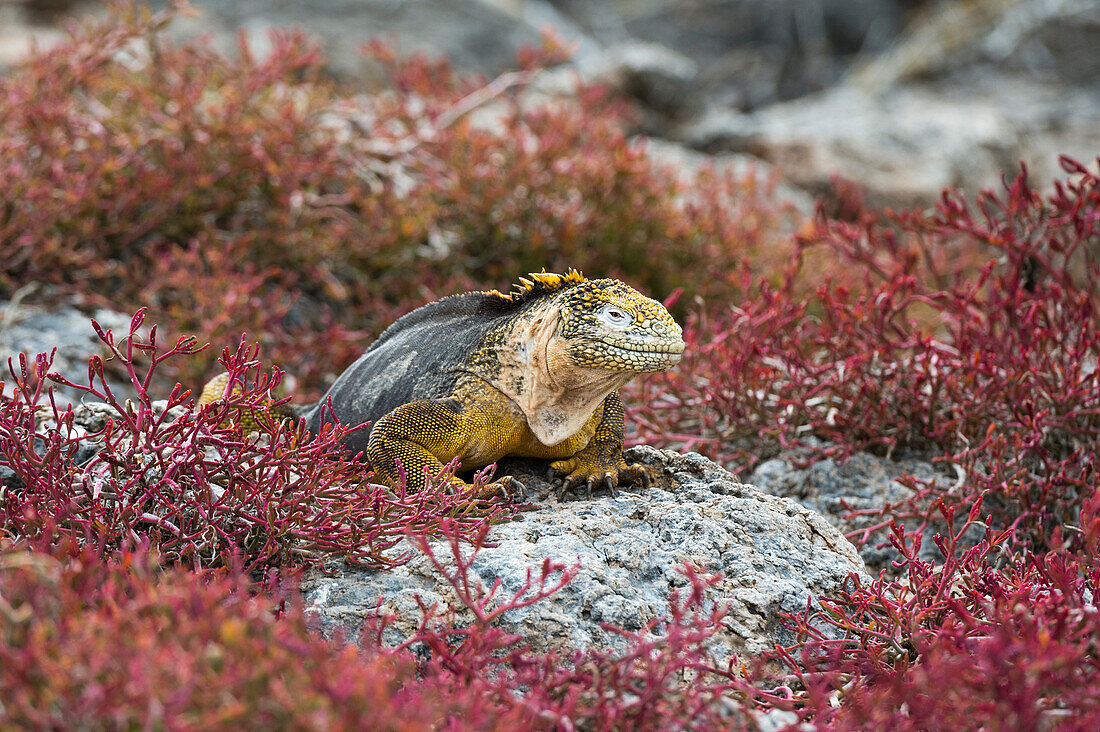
column 250, row 420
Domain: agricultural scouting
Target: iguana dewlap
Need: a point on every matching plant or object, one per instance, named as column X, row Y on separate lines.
column 484, row 375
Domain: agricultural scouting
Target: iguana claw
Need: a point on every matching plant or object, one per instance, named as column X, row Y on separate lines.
column 507, row 488
column 611, row 477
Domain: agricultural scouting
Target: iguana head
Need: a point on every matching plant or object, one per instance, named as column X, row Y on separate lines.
column 610, row 325
column 568, row 343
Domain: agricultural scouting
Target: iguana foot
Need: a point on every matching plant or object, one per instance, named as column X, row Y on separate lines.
column 507, row 488
column 573, row 472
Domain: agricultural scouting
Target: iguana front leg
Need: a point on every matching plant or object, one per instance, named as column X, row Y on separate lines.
column 426, row 434
column 601, row 461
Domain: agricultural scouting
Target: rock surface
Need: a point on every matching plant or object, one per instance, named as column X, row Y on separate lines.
column 906, row 143
column 834, row 489
column 31, row 329
column 475, row 35
column 687, row 163
column 747, row 53
column 968, row 90
column 773, row 554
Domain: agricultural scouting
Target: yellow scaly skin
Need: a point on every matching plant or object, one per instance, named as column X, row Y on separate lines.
column 429, row 434
column 532, row 373
column 250, row 421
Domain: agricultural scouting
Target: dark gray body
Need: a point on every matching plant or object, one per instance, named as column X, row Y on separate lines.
column 419, row 357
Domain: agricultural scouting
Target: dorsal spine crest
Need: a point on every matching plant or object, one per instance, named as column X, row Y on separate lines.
column 537, row 284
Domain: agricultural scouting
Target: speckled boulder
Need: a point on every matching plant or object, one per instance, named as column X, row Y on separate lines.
column 773, row 555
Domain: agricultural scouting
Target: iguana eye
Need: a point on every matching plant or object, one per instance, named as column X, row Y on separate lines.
column 614, row 317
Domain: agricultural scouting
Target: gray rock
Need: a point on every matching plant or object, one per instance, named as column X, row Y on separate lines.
column 967, row 91
column 86, row 418
column 656, row 75
column 773, row 554
column 749, row 53
column 26, row 25
column 32, row 329
column 906, row 143
column 1056, row 39
column 8, row 479
column 475, row 35
column 765, row 178
column 779, row 720
column 1051, row 41
column 835, row 489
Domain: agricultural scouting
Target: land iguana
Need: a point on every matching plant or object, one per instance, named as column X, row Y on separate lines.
column 534, row 372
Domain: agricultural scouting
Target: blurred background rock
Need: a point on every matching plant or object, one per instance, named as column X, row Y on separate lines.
column 903, row 97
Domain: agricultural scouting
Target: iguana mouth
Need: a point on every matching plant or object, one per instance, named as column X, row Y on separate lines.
column 675, row 347
column 628, row 355
column 648, row 345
